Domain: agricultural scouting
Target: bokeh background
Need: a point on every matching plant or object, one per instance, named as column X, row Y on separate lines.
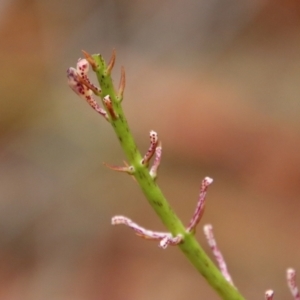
column 218, row 80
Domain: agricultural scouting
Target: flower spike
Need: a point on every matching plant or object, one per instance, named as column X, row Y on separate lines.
column 156, row 163
column 208, row 231
column 152, row 147
column 269, row 295
column 165, row 238
column 200, row 205
column 291, row 281
column 144, row 173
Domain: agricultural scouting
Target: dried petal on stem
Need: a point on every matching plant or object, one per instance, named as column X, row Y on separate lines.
column 83, row 91
column 170, row 240
column 121, row 85
column 108, row 103
column 111, row 62
column 291, row 281
column 165, row 238
column 86, row 82
column 140, row 231
column 92, row 102
column 269, row 295
column 152, row 147
column 208, row 231
column 157, row 160
column 200, row 205
column 74, row 83
column 82, row 70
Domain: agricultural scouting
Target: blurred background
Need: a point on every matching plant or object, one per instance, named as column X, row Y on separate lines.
column 218, row 80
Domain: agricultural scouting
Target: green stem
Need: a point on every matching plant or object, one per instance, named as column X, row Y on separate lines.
column 190, row 247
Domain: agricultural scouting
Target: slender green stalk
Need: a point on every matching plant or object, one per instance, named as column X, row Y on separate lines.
column 190, row 247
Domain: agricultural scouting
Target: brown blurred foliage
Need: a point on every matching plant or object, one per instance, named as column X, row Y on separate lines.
column 219, row 82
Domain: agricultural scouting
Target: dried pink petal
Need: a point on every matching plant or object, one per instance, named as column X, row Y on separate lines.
column 208, row 231
column 82, row 70
column 165, row 238
column 200, row 205
column 156, row 163
column 75, row 81
column 152, row 147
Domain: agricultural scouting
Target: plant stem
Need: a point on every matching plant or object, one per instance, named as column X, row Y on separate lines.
column 190, row 247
